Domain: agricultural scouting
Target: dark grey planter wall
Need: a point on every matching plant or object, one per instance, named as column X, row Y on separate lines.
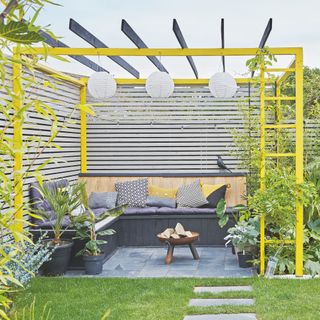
column 142, row 231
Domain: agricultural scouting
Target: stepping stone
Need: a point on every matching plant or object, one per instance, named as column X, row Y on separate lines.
column 220, row 302
column 234, row 316
column 222, row 289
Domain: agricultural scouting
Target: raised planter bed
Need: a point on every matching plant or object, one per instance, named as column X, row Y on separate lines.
column 142, row 230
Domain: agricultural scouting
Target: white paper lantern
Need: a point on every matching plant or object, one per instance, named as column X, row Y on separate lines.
column 101, row 85
column 223, row 85
column 159, row 85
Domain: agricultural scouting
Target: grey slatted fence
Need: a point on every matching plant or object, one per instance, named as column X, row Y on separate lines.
column 184, row 134
column 62, row 98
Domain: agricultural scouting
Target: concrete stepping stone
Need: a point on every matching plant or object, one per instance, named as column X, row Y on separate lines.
column 222, row 289
column 220, row 302
column 239, row 316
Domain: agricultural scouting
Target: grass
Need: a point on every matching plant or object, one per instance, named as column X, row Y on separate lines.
column 162, row 299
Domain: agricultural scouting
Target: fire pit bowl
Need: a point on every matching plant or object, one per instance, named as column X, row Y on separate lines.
column 171, row 242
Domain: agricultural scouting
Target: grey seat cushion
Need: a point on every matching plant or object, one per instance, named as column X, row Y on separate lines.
column 103, row 200
column 185, row 211
column 141, row 211
column 161, row 202
column 172, row 211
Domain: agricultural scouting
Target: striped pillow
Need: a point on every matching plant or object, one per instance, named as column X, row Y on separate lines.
column 191, row 195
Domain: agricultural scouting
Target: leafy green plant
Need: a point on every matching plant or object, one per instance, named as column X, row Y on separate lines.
column 312, row 175
column 244, row 234
column 263, row 57
column 85, row 229
column 27, row 262
column 277, row 201
column 221, row 213
column 63, row 201
column 85, row 226
column 19, row 32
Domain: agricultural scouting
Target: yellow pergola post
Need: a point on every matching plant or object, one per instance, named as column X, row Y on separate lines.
column 262, row 164
column 299, row 161
column 83, row 127
column 17, row 141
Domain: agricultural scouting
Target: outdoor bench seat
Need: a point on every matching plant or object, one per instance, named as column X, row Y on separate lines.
column 171, row 211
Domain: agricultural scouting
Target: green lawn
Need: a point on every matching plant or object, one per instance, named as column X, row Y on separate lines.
column 163, row 299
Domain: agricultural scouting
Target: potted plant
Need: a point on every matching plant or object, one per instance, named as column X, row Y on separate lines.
column 244, row 237
column 62, row 201
column 84, row 225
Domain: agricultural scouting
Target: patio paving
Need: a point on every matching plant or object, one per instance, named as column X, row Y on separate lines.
column 148, row 262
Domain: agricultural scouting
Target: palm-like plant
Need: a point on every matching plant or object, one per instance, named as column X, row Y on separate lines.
column 85, row 224
column 62, row 202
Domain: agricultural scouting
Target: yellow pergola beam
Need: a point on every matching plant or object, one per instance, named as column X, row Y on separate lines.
column 185, row 82
column 59, row 75
column 286, row 75
column 54, row 73
column 157, row 51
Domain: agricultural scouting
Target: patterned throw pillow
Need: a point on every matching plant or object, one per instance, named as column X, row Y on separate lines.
column 132, row 193
column 191, row 195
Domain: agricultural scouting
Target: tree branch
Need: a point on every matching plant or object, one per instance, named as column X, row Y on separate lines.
column 9, row 7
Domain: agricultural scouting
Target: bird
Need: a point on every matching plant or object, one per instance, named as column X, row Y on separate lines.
column 222, row 165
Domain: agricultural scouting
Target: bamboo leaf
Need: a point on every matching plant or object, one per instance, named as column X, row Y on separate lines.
column 18, row 32
column 86, row 108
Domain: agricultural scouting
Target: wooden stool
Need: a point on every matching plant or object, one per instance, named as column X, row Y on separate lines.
column 171, row 243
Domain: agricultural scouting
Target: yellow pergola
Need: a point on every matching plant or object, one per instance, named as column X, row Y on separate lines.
column 295, row 67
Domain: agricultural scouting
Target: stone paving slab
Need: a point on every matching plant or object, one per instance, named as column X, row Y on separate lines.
column 220, row 302
column 222, row 289
column 239, row 316
column 149, row 262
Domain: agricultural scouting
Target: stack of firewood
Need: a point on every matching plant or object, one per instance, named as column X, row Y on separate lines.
column 176, row 233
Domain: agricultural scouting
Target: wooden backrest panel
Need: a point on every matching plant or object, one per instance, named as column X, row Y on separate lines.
column 234, row 194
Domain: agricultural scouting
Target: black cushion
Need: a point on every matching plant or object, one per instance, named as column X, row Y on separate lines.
column 215, row 197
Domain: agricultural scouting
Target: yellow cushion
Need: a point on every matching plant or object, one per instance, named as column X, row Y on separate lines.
column 207, row 189
column 156, row 191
